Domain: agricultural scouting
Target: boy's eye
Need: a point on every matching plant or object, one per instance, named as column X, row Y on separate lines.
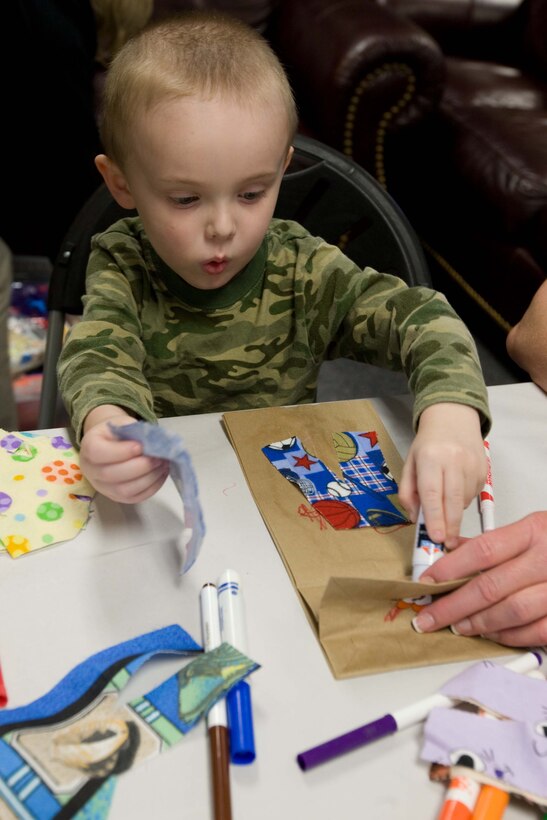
column 252, row 196
column 185, row 201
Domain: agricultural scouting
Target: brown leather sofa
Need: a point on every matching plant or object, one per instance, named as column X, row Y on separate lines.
column 473, row 177
column 445, row 102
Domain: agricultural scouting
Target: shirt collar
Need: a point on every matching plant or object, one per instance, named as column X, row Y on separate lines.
column 222, row 297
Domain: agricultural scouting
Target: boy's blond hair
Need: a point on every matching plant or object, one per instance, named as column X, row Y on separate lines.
column 192, row 54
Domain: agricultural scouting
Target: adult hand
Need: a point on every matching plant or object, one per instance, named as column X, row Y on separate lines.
column 445, row 469
column 118, row 469
column 507, row 601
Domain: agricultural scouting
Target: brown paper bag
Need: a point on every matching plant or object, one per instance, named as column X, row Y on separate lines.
column 351, row 582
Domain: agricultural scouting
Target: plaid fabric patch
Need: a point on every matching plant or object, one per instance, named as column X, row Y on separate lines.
column 362, row 469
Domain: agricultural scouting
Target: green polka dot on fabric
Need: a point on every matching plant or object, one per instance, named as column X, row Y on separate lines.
column 50, row 511
column 44, row 497
column 25, row 453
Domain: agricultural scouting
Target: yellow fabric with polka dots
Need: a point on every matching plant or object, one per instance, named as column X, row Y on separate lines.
column 44, row 498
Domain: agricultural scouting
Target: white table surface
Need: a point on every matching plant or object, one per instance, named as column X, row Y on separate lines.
column 119, row 579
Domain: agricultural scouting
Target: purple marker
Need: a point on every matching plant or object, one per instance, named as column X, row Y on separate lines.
column 401, row 719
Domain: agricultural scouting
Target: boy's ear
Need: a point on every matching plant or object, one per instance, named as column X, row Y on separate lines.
column 115, row 181
column 290, row 153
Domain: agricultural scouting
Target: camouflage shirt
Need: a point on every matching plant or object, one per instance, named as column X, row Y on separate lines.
column 157, row 346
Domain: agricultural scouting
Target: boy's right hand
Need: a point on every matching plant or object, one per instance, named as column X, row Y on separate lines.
column 118, row 469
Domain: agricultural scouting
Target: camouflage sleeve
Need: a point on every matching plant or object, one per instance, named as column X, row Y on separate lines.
column 376, row 318
column 421, row 331
column 103, row 356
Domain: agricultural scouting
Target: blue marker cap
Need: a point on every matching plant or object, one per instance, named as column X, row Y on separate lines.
column 240, row 721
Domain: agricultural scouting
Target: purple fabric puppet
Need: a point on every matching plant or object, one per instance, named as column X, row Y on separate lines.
column 510, row 753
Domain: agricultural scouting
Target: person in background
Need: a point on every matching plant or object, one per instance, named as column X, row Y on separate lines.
column 205, row 302
column 527, row 340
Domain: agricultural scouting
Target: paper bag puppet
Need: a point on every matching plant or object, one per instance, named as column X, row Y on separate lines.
column 351, row 564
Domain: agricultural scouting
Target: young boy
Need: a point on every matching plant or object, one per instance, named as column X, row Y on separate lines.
column 204, row 303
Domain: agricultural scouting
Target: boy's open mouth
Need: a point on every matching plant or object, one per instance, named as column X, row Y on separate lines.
column 216, row 265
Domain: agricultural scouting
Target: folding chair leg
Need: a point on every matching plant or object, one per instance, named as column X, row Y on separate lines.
column 48, row 395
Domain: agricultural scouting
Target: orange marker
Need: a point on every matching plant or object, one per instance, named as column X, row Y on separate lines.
column 461, row 797
column 491, row 804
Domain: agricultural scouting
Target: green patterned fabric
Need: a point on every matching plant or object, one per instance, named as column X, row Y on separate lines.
column 159, row 347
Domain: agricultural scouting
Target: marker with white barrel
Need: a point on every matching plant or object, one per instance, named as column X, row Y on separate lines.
column 426, row 551
column 238, row 699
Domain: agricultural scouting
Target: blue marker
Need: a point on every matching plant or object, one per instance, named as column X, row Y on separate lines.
column 238, row 699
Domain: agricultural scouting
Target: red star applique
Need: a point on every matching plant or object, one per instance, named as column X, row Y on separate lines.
column 372, row 437
column 303, row 461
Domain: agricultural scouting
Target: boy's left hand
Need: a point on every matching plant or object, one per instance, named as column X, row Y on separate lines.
column 445, row 469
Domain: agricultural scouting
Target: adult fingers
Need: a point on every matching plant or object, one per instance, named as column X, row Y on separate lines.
column 516, row 612
column 484, row 552
column 477, row 595
column 534, row 634
column 531, row 635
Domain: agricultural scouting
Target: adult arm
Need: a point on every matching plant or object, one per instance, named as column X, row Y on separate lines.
column 527, row 340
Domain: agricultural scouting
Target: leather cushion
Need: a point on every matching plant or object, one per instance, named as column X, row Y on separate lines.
column 497, row 118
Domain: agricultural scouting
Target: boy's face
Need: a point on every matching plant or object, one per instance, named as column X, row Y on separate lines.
column 204, row 176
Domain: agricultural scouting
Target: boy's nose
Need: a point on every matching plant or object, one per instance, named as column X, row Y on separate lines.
column 220, row 224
